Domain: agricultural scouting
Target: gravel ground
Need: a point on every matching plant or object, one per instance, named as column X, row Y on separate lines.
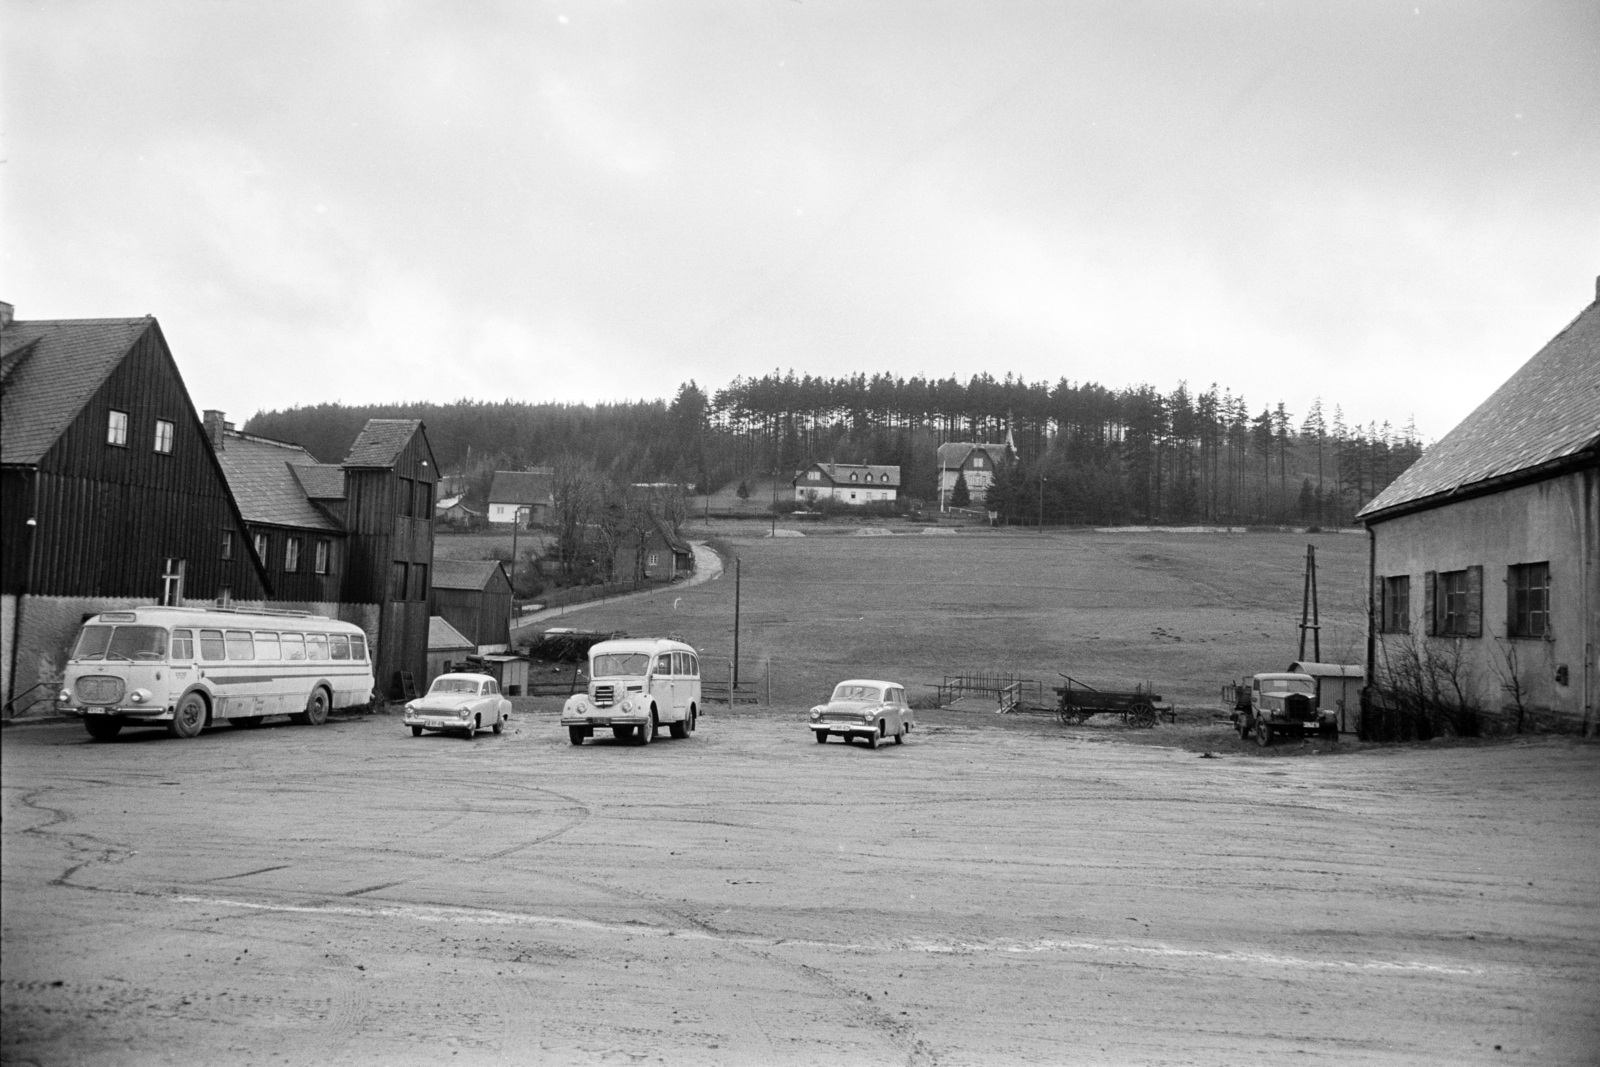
column 981, row 895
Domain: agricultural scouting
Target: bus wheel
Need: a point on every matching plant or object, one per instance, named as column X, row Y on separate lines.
column 680, row 729
column 190, row 718
column 316, row 712
column 102, row 727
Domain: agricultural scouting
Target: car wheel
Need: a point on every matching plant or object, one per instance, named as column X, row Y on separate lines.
column 647, row 732
column 500, row 726
column 416, row 731
column 1263, row 734
column 576, row 734
column 822, row 736
column 872, row 738
column 472, row 729
column 102, row 727
column 190, row 718
column 900, row 736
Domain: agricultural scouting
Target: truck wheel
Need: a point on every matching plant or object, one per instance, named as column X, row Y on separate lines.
column 1263, row 734
column 576, row 734
column 190, row 718
column 102, row 727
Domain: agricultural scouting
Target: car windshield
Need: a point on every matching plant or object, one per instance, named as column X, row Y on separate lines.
column 454, row 685
column 856, row 692
column 1286, row 685
column 140, row 644
column 619, row 665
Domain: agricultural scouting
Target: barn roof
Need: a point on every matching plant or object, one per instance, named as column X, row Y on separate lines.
column 953, row 454
column 261, row 474
column 381, row 441
column 522, row 487
column 49, row 368
column 442, row 637
column 1547, row 414
column 473, row 574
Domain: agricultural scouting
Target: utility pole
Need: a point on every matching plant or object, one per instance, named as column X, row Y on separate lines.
column 1308, row 609
column 735, row 630
column 1041, row 499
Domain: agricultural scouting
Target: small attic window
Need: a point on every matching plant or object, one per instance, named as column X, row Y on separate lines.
column 852, row 476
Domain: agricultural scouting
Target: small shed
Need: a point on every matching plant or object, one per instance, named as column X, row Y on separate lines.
column 474, row 595
column 510, row 671
column 1338, row 688
column 446, row 644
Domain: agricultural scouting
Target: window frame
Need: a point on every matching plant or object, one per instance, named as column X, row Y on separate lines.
column 166, row 438
column 322, row 556
column 291, row 555
column 226, row 551
column 1394, row 612
column 1520, row 614
column 117, row 423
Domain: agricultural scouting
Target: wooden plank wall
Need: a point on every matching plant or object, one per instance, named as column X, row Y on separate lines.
column 110, row 515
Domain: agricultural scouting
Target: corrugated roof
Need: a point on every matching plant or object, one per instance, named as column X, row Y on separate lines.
column 952, row 454
column 1547, row 411
column 260, row 473
column 321, row 481
column 381, row 441
column 882, row 474
column 51, row 369
column 442, row 637
column 522, row 487
column 471, row 574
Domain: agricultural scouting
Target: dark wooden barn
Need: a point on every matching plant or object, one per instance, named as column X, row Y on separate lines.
column 110, row 493
column 474, row 596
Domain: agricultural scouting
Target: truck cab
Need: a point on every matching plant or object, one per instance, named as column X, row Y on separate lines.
column 1285, row 704
column 636, row 685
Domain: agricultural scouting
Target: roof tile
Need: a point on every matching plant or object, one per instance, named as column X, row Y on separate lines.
column 51, row 367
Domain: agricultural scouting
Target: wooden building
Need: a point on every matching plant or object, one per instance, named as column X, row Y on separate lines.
column 446, row 645
column 110, row 492
column 652, row 553
column 1485, row 557
column 976, row 463
column 474, row 596
column 529, row 494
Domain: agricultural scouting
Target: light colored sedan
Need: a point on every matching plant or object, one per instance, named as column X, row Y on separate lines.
column 867, row 708
column 464, row 703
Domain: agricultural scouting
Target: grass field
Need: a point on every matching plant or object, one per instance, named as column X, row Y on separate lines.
column 1182, row 612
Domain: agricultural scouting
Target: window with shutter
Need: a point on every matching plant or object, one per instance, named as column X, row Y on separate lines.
column 1430, row 603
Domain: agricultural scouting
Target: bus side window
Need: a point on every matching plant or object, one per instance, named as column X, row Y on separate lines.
column 211, row 647
column 294, row 646
column 664, row 664
column 341, row 646
column 316, row 646
column 240, row 645
column 358, row 647
column 267, row 645
column 182, row 644
column 694, row 665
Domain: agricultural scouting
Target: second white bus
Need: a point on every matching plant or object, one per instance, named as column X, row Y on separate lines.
column 188, row 668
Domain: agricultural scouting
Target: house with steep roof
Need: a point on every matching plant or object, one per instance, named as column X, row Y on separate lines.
column 474, row 596
column 530, row 493
column 1484, row 562
column 446, row 645
column 652, row 551
column 974, row 462
column 110, row 494
column 847, row 483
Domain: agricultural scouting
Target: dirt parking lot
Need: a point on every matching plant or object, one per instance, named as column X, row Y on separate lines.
column 350, row 894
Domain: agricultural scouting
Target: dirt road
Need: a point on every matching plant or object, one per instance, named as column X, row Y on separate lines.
column 350, row 894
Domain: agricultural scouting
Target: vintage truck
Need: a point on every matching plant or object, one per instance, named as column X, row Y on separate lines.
column 1282, row 704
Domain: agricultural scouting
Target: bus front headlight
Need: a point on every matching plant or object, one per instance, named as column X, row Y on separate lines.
column 65, row 696
column 139, row 696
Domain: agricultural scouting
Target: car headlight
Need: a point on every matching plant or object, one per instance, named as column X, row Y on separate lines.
column 866, row 716
column 815, row 714
column 411, row 709
column 463, row 713
column 65, row 696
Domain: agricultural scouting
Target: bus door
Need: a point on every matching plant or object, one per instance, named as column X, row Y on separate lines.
column 663, row 687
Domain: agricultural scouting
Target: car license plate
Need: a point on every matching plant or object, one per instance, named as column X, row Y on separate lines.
column 600, row 722
column 839, row 729
column 434, row 724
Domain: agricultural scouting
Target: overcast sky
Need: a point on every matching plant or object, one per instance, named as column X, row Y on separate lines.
column 1390, row 205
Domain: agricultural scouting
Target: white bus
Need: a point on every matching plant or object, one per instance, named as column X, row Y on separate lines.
column 187, row 668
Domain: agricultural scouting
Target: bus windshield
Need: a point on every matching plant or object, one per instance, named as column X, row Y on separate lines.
column 136, row 644
column 620, row 665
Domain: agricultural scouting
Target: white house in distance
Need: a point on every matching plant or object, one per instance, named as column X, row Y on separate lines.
column 848, row 483
column 531, row 491
column 976, row 462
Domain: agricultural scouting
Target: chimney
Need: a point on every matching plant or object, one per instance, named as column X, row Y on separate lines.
column 214, row 428
column 6, row 311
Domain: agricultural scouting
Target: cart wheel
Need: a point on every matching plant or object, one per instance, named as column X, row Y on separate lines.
column 1142, row 715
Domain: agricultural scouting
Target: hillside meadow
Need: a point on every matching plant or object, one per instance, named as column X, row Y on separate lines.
column 1182, row 612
